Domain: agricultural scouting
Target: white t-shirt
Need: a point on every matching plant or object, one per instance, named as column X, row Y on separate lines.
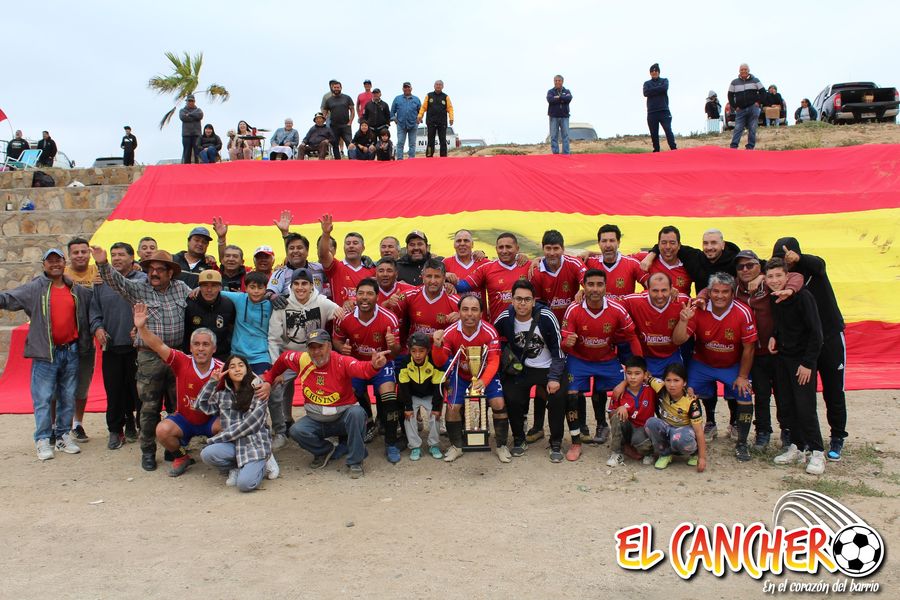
column 536, row 354
column 804, row 114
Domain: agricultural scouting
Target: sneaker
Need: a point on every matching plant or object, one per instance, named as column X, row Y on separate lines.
column 602, row 434
column 761, row 441
column 663, row 461
column 131, row 434
column 371, row 431
column 44, row 449
column 452, row 454
column 648, row 460
column 356, row 471
column 816, row 464
column 116, row 440
column 556, row 455
column 232, row 477
column 148, row 461
column 693, row 460
column 710, row 432
column 435, row 452
column 790, row 456
column 415, row 454
column 835, row 449
column 67, row 444
column 503, row 454
column 534, row 435
column 615, row 460
column 742, row 452
column 574, row 452
column 733, row 432
column 180, row 465
column 272, row 468
column 319, row 462
column 393, row 454
column 785, row 438
column 519, row 449
column 80, row 435
column 279, row 441
column 631, row 452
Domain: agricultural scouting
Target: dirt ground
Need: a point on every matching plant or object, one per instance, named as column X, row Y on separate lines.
column 97, row 526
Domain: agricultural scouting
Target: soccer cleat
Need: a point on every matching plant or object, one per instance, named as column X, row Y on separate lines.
column 435, row 452
column 742, row 452
column 415, row 454
column 790, row 456
column 319, row 462
column 278, row 441
column 649, row 460
column 519, row 449
column 79, row 434
column 44, row 449
column 602, row 434
column 67, row 444
column 693, row 460
column 835, row 449
column 556, row 455
column 356, row 471
column 615, row 460
column 179, row 465
column 148, row 461
column 232, row 477
column 393, row 454
column 503, row 454
column 452, row 454
column 116, row 440
column 534, row 435
column 574, row 452
column 663, row 461
column 272, row 468
column 710, row 432
column 761, row 441
column 816, row 464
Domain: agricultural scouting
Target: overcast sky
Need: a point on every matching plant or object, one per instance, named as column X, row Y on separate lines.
column 89, row 62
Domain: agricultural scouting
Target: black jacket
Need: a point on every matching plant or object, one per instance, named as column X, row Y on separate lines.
column 211, row 140
column 410, row 270
column 189, row 275
column 364, row 139
column 48, row 151
column 129, row 143
column 700, row 268
column 316, row 134
column 813, row 270
column 505, row 324
column 218, row 317
column 713, row 109
column 377, row 114
column 743, row 93
column 798, row 331
column 16, row 147
column 436, row 111
column 657, row 93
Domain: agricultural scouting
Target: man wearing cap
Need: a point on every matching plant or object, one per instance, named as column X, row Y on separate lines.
column 284, row 141
column 409, row 267
column 191, row 117
column 166, row 298
column 194, row 260
column 339, row 111
column 404, row 114
column 363, row 99
column 377, row 113
column 59, row 328
column 208, row 308
column 129, row 145
column 324, row 380
column 437, row 110
column 318, row 139
column 656, row 90
column 264, row 260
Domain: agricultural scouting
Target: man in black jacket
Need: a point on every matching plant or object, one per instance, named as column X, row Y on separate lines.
column 129, row 144
column 717, row 256
column 377, row 113
column 437, row 110
column 531, row 332
column 409, row 266
column 745, row 94
column 656, row 90
column 194, row 260
column 48, row 150
column 17, row 146
column 318, row 139
column 191, row 117
column 831, row 361
column 208, row 308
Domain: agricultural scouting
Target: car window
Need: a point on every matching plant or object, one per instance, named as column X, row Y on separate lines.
column 582, row 133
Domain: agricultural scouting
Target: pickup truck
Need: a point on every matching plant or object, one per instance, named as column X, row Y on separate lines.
column 857, row 102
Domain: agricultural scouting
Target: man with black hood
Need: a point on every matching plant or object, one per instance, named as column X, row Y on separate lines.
column 409, row 266
column 831, row 362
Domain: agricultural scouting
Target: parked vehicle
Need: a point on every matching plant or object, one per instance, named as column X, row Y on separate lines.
column 109, row 161
column 730, row 116
column 857, row 102
column 472, row 143
column 422, row 139
column 579, row 132
column 169, row 161
column 60, row 161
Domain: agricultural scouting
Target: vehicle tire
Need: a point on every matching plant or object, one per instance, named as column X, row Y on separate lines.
column 887, row 120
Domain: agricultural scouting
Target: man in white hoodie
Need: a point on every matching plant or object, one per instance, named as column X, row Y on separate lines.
column 306, row 311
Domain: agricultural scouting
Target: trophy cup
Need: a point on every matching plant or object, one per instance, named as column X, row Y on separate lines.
column 475, row 435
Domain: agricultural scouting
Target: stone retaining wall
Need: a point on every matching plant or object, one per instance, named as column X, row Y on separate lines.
column 63, row 177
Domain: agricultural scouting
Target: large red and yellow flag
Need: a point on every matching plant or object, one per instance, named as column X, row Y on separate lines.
column 841, row 203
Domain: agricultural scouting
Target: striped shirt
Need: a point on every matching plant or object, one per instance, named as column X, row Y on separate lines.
column 246, row 430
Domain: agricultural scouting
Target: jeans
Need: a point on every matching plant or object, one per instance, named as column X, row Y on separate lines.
column 668, row 439
column 771, row 122
column 559, row 128
column 402, row 135
column 57, row 378
column 223, row 457
column 762, row 376
column 654, row 120
column 517, row 393
column 281, row 403
column 209, row 155
column 746, row 118
column 312, row 434
column 189, row 149
column 356, row 154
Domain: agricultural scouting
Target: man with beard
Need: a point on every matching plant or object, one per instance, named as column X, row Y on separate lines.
column 344, row 275
column 429, row 308
column 339, row 111
column 409, row 266
column 496, row 277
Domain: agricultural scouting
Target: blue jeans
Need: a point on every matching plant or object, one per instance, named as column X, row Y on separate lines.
column 559, row 128
column 357, row 154
column 402, row 135
column 209, row 155
column 668, row 439
column 746, row 118
column 58, row 378
column 312, row 434
column 223, row 456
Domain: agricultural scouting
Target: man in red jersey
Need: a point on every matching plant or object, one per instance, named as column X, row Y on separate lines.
column 324, row 380
column 465, row 260
column 429, row 308
column 655, row 314
column 391, row 292
column 472, row 331
column 622, row 272
column 370, row 329
column 589, row 330
column 342, row 275
column 496, row 277
column 725, row 339
column 669, row 242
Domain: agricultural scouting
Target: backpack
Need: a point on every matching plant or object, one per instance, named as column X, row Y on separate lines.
column 41, row 179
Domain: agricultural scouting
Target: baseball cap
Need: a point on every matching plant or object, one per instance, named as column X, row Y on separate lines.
column 748, row 254
column 264, row 250
column 376, row 91
column 210, row 276
column 416, row 234
column 367, row 81
column 317, row 336
column 407, row 84
column 51, row 252
column 317, row 115
column 419, row 339
column 303, row 274
column 201, row 231
column 128, row 127
column 190, row 97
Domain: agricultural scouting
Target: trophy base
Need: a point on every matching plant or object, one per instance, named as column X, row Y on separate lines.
column 476, row 441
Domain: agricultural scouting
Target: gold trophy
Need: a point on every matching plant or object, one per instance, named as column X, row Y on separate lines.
column 475, row 436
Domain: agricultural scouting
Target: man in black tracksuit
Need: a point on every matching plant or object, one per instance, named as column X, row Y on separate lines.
column 656, row 90
column 129, row 144
column 831, row 360
column 437, row 110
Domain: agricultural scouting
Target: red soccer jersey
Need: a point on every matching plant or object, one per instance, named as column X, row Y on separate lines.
column 324, row 386
column 462, row 270
column 622, row 277
column 454, row 339
column 557, row 290
column 398, row 292
column 344, row 278
column 496, row 280
column 188, row 383
column 426, row 315
column 720, row 340
column 641, row 406
column 597, row 332
column 678, row 275
column 366, row 337
column 654, row 326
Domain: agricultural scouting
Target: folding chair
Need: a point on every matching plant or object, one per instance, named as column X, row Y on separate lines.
column 28, row 159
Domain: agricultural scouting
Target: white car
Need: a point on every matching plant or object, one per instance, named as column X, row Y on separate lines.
column 579, row 132
column 422, row 140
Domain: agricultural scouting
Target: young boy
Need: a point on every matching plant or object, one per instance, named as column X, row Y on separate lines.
column 420, row 387
column 384, row 148
column 629, row 411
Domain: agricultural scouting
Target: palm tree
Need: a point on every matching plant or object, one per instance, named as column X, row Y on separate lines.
column 184, row 81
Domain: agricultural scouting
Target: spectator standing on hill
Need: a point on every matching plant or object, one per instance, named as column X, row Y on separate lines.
column 339, row 111
column 48, row 150
column 558, row 99
column 656, row 90
column 405, row 113
column 437, row 111
column 745, row 95
column 191, row 116
column 363, row 99
column 129, row 145
column 713, row 112
column 18, row 145
column 377, row 113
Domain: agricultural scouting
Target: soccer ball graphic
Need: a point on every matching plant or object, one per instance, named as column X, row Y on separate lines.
column 858, row 550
